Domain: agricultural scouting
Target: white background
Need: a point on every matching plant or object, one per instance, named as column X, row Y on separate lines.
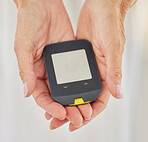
column 21, row 120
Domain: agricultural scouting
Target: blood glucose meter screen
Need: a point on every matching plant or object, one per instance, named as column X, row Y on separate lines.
column 71, row 66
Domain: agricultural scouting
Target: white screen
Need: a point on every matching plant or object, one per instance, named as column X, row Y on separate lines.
column 71, row 66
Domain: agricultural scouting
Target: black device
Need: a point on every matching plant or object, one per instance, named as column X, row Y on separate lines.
column 72, row 72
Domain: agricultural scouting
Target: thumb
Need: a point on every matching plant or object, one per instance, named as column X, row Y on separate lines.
column 114, row 74
column 26, row 68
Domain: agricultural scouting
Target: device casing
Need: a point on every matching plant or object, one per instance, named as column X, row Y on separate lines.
column 67, row 93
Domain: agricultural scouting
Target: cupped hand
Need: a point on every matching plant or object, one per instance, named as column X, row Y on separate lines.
column 102, row 23
column 40, row 23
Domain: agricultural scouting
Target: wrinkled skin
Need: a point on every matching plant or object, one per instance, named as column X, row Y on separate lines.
column 45, row 22
column 102, row 23
column 41, row 23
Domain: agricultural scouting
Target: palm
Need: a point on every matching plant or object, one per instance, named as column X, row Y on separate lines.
column 40, row 23
column 101, row 24
column 94, row 31
column 58, row 20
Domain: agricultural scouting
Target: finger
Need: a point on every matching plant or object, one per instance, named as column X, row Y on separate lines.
column 113, row 58
column 26, row 67
column 101, row 102
column 56, row 123
column 86, row 111
column 74, row 116
column 73, row 127
column 47, row 116
column 44, row 100
column 98, row 106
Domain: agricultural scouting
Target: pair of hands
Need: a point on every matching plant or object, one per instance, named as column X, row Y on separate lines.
column 42, row 22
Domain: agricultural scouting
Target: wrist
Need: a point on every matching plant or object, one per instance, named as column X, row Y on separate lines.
column 22, row 3
column 125, row 5
column 19, row 2
column 120, row 6
column 114, row 3
column 128, row 3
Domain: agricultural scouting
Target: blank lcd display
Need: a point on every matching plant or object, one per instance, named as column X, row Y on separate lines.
column 71, row 66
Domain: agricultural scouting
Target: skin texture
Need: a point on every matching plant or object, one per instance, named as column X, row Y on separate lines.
column 45, row 22
column 40, row 23
column 102, row 23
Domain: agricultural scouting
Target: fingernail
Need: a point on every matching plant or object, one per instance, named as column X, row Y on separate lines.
column 25, row 89
column 71, row 130
column 77, row 126
column 62, row 118
column 51, row 128
column 119, row 91
column 88, row 118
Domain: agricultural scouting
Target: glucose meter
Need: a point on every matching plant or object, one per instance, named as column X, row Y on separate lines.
column 72, row 72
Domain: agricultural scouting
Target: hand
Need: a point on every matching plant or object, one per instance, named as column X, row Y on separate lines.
column 102, row 23
column 41, row 23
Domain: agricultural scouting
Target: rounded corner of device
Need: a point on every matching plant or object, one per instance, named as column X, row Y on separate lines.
column 56, row 100
column 99, row 90
column 59, row 100
column 96, row 94
column 45, row 48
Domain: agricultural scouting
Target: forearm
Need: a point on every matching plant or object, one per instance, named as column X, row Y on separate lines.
column 129, row 3
column 16, row 2
column 125, row 5
column 20, row 3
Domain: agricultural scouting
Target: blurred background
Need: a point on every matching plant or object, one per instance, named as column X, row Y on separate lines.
column 126, row 120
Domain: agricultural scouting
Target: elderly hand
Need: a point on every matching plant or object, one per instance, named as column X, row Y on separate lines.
column 40, row 23
column 102, row 23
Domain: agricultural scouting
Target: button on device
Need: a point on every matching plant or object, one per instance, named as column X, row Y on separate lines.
column 79, row 101
column 65, row 87
column 85, row 83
